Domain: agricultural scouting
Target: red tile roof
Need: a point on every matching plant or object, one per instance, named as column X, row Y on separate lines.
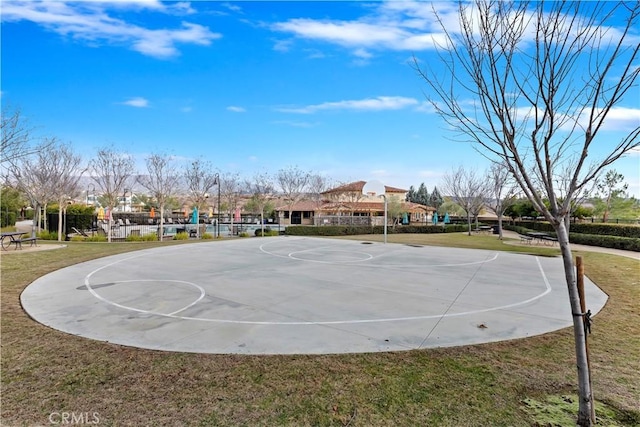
column 358, row 186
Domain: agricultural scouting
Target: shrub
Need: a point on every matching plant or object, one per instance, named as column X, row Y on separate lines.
column 133, row 238
column 207, row 236
column 614, row 242
column 267, row 232
column 606, row 229
column 150, row 237
column 181, row 236
column 96, row 238
column 602, row 229
column 47, row 235
column 346, row 230
column 244, row 234
column 77, row 238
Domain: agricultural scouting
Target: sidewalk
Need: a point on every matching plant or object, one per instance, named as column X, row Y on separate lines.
column 575, row 247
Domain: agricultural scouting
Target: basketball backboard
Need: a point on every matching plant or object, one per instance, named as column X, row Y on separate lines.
column 373, row 188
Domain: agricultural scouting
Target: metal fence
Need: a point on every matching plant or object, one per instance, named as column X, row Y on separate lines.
column 127, row 224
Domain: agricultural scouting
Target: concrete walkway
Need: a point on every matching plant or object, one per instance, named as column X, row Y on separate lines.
column 294, row 295
column 575, row 247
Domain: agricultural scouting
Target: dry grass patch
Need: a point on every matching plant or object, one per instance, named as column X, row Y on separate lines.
column 44, row 370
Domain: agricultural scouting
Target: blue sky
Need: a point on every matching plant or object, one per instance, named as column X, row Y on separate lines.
column 250, row 86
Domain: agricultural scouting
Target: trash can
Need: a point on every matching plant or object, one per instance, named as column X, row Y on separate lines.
column 495, row 229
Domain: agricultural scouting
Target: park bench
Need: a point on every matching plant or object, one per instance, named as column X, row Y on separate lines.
column 525, row 239
column 15, row 238
column 19, row 242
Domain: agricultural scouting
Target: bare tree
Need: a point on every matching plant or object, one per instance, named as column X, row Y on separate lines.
column 465, row 188
column 348, row 193
column 230, row 193
column 66, row 171
column 111, row 171
column 318, row 184
column 293, row 183
column 162, row 181
column 261, row 189
column 35, row 176
column 544, row 78
column 200, row 178
column 501, row 191
column 17, row 137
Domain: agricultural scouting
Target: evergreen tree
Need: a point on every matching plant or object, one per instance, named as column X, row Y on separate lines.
column 436, row 199
column 422, row 195
column 411, row 195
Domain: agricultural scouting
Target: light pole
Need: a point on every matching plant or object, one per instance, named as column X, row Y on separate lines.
column 217, row 181
column 124, row 206
column 91, row 188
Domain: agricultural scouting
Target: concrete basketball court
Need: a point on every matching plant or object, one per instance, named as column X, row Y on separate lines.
column 298, row 295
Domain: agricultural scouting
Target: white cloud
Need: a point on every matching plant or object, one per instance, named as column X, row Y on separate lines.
column 402, row 26
column 380, row 103
column 236, row 109
column 137, row 102
column 620, row 119
column 314, row 54
column 362, row 53
column 296, row 124
column 89, row 21
column 232, row 7
column 282, row 45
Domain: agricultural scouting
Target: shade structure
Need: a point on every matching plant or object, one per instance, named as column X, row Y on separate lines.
column 435, row 217
column 152, row 213
column 194, row 216
column 446, row 219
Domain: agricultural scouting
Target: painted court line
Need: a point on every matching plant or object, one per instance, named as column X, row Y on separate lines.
column 331, row 322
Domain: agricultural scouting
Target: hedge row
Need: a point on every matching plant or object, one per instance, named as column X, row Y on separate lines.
column 614, row 242
column 347, row 230
column 619, row 230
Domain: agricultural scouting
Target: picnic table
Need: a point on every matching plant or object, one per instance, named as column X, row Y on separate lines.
column 483, row 229
column 14, row 238
column 541, row 237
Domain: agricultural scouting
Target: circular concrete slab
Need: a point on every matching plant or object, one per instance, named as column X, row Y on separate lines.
column 293, row 295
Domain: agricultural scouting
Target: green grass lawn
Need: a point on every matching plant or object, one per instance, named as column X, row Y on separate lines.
column 514, row 383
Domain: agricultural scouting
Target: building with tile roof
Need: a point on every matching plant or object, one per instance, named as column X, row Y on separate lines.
column 346, row 204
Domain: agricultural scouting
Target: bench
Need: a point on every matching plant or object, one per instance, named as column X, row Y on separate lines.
column 552, row 240
column 525, row 239
column 19, row 242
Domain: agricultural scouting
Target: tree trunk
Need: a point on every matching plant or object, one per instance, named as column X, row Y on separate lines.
column 231, row 215
column 109, row 223
column 60, row 217
column 469, row 222
column 584, row 388
column 499, row 226
column 161, row 228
